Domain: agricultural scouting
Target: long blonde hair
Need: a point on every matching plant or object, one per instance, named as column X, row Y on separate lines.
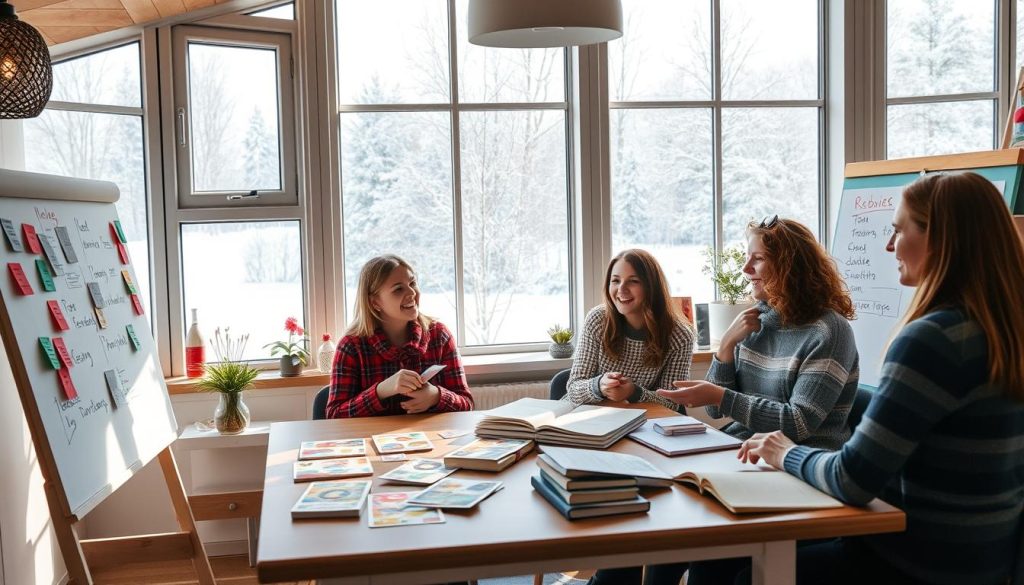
column 373, row 276
column 660, row 315
column 975, row 262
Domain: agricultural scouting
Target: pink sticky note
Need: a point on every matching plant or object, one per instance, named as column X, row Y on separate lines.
column 58, row 316
column 31, row 238
column 122, row 251
column 62, row 351
column 137, row 305
column 24, row 286
column 65, row 382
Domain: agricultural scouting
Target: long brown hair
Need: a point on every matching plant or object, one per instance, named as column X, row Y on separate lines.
column 660, row 315
column 372, row 276
column 810, row 284
column 975, row 262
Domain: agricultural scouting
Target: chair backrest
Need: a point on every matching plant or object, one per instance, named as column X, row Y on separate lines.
column 1017, row 574
column 320, row 403
column 860, row 404
column 556, row 389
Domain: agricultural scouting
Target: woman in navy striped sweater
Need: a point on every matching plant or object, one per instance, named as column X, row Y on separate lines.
column 943, row 438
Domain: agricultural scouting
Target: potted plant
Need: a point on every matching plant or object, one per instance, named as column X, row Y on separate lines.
column 229, row 377
column 293, row 352
column 726, row 271
column 561, row 342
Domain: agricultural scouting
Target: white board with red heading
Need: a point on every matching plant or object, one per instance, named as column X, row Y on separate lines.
column 89, row 380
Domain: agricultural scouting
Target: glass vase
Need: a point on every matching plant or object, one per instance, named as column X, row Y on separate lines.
column 232, row 415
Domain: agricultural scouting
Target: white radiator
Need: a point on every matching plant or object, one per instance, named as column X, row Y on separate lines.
column 487, row 396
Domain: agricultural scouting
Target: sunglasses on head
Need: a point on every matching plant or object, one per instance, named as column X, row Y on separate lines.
column 769, row 221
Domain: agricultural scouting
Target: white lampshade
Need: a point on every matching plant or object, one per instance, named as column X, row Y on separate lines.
column 543, row 23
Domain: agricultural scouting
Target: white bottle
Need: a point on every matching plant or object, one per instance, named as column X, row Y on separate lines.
column 195, row 353
column 325, row 355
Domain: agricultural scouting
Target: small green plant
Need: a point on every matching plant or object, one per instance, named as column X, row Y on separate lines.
column 726, row 270
column 227, row 377
column 560, row 335
column 292, row 347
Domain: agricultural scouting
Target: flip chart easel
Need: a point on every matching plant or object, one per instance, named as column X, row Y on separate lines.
column 871, row 192
column 85, row 366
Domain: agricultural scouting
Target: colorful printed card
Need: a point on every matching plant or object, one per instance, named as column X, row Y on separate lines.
column 419, row 472
column 24, row 286
column 51, row 353
column 332, row 468
column 62, row 352
column 128, row 281
column 101, row 319
column 491, row 449
column 44, row 275
column 390, row 509
column 402, row 443
column 31, row 240
column 58, row 316
column 323, row 499
column 332, row 449
column 455, row 493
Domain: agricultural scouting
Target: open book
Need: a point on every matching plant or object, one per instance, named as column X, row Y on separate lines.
column 559, row 422
column 759, row 491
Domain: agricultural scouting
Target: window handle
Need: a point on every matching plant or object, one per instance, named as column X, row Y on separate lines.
column 238, row 197
column 181, row 127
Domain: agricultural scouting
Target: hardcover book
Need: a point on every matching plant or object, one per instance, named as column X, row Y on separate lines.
column 559, row 422
column 591, row 510
column 577, row 463
column 593, row 482
column 489, row 454
column 332, row 468
column 330, row 499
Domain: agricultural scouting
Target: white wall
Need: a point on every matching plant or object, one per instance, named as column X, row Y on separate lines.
column 28, row 546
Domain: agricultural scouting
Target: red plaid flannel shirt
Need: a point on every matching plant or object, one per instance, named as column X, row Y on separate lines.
column 361, row 363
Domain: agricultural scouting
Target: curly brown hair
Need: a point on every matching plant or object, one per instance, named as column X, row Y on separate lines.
column 804, row 282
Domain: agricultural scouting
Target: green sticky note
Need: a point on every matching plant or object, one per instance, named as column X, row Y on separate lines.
column 136, row 344
column 51, row 353
column 44, row 275
column 120, row 231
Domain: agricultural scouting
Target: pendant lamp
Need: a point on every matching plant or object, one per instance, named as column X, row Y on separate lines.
column 26, row 77
column 543, row 23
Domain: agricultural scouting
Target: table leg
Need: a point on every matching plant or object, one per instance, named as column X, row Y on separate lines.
column 775, row 564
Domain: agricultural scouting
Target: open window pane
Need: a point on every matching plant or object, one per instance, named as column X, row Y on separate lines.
column 664, row 52
column 396, row 184
column 106, row 147
column 938, row 47
column 243, row 275
column 399, row 47
column 769, row 166
column 941, row 128
column 769, row 49
column 234, row 118
column 662, row 201
column 502, row 75
column 110, row 77
column 515, row 225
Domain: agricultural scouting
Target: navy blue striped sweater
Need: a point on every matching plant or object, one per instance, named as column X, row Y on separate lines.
column 942, row 445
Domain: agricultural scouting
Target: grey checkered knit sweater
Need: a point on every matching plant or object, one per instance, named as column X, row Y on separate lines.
column 800, row 380
column 590, row 363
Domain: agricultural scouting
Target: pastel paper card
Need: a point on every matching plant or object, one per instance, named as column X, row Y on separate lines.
column 20, row 280
column 44, row 275
column 390, row 509
column 64, row 239
column 119, row 232
column 116, row 390
column 402, row 443
column 12, row 235
column 51, row 353
column 128, row 282
column 133, row 338
column 31, row 240
column 455, row 493
column 66, row 384
column 58, row 317
column 419, row 472
column 101, row 319
column 51, row 254
column 137, row 305
column 62, row 352
column 96, row 294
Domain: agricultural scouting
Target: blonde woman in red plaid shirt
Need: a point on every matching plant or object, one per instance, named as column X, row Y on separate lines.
column 377, row 364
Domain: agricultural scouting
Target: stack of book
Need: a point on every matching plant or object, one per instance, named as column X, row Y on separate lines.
column 679, row 425
column 559, row 422
column 567, row 479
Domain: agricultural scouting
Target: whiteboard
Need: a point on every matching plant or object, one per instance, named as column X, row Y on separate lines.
column 862, row 231
column 90, row 445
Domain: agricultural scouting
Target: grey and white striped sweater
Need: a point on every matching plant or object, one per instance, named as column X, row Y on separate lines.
column 798, row 380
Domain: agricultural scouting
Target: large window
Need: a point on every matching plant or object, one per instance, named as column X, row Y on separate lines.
column 941, row 85
column 92, row 129
column 716, row 116
column 455, row 157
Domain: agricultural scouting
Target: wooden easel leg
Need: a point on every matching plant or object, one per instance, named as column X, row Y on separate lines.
column 67, row 538
column 186, row 522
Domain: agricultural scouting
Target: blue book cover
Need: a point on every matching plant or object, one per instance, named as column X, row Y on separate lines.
column 574, row 511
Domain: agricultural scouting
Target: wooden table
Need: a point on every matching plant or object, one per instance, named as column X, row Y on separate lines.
column 515, row 531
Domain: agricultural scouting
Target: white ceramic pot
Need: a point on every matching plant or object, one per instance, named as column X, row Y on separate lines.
column 721, row 315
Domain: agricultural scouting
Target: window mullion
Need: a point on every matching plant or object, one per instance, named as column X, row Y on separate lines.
column 716, row 72
column 453, row 77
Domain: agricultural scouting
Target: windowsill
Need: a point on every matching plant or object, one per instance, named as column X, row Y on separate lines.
column 480, row 369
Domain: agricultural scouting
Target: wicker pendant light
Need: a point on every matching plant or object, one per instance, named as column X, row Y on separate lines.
column 543, row 23
column 26, row 77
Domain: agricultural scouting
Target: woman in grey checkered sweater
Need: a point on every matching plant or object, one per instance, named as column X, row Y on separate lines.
column 633, row 344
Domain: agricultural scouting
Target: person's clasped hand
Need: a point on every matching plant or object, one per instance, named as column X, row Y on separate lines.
column 771, row 447
column 401, row 382
column 616, row 386
column 694, row 393
column 421, row 399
